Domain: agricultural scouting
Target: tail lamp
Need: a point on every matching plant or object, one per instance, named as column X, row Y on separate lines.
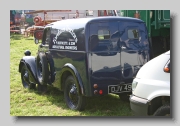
column 95, row 86
column 100, row 92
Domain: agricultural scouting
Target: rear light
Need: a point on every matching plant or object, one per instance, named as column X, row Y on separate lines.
column 100, row 92
column 167, row 67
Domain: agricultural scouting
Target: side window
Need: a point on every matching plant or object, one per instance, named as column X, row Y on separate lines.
column 103, row 34
column 46, row 36
column 133, row 34
column 48, row 33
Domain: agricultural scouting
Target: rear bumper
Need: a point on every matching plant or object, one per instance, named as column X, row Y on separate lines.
column 139, row 106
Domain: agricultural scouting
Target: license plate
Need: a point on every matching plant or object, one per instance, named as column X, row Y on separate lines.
column 119, row 88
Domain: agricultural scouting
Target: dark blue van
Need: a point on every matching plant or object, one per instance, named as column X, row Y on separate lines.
column 87, row 57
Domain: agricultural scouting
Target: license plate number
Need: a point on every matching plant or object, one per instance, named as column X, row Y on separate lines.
column 119, row 88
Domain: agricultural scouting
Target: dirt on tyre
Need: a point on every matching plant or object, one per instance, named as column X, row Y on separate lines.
column 73, row 100
column 25, row 78
column 42, row 68
column 163, row 111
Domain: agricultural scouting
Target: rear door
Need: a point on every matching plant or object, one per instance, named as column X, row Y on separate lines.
column 105, row 54
column 134, row 48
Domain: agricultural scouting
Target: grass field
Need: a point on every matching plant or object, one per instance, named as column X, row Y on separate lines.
column 24, row 102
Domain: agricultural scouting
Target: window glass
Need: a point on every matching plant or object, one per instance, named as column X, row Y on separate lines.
column 103, row 34
column 46, row 36
column 133, row 34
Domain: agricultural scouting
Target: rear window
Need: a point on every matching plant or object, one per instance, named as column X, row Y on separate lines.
column 103, row 34
column 133, row 34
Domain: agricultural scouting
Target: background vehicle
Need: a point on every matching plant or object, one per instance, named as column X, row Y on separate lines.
column 151, row 88
column 87, row 57
column 15, row 19
column 158, row 24
column 44, row 17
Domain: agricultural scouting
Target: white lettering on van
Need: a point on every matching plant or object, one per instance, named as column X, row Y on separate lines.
column 65, row 30
column 64, row 47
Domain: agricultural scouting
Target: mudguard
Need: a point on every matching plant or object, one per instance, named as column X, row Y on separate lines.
column 70, row 68
column 30, row 62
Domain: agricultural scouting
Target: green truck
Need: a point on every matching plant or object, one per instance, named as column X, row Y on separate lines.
column 158, row 24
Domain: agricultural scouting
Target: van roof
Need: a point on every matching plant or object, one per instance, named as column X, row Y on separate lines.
column 84, row 21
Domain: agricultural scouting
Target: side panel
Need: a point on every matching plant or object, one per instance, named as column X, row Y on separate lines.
column 105, row 55
column 67, row 45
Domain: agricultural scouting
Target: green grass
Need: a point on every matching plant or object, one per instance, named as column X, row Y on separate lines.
column 24, row 102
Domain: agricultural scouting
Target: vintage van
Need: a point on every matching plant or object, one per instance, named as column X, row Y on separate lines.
column 87, row 57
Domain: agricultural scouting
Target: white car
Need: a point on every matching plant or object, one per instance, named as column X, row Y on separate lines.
column 151, row 88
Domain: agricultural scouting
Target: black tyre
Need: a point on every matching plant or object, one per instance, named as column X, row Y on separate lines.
column 124, row 97
column 25, row 78
column 42, row 69
column 163, row 111
column 72, row 99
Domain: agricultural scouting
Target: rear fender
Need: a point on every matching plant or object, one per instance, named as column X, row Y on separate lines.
column 30, row 62
column 73, row 71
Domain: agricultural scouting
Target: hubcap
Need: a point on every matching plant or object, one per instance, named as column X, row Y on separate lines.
column 25, row 77
column 73, row 94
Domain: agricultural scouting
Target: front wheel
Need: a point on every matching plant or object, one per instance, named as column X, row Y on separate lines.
column 25, row 78
column 72, row 98
column 163, row 111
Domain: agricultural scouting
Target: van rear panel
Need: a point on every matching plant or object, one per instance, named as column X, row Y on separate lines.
column 117, row 51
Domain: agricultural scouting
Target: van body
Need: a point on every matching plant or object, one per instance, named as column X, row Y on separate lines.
column 101, row 54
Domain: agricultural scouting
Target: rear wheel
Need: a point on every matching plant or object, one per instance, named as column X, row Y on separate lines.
column 72, row 98
column 163, row 111
column 25, row 78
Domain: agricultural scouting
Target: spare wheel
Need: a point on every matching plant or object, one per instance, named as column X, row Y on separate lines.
column 42, row 68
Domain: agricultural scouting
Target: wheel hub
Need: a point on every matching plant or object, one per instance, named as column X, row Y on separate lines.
column 26, row 76
column 73, row 93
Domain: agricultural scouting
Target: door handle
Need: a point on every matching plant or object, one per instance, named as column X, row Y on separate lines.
column 123, row 47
